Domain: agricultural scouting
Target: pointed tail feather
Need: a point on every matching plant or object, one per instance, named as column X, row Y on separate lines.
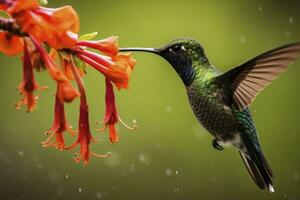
column 257, row 165
column 254, row 173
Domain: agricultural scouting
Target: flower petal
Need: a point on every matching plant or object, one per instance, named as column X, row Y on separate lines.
column 113, row 136
column 57, row 27
column 20, row 5
column 10, row 45
column 66, row 92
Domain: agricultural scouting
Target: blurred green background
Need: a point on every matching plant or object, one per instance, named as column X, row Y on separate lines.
column 170, row 155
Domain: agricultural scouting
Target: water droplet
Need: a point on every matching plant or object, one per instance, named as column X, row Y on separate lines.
column 21, row 153
column 169, row 108
column 168, row 172
column 144, row 159
column 243, row 40
column 99, row 195
column 132, row 168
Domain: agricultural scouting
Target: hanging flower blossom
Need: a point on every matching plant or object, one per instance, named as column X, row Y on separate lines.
column 111, row 114
column 84, row 134
column 111, row 117
column 59, row 126
column 48, row 39
column 29, row 85
column 117, row 69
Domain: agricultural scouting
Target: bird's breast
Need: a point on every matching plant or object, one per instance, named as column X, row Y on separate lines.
column 210, row 110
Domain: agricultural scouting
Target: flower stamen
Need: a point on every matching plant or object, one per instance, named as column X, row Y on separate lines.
column 134, row 126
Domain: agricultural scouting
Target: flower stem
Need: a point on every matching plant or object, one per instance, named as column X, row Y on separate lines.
column 78, row 81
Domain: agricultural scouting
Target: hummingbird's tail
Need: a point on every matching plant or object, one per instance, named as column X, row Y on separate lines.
column 257, row 165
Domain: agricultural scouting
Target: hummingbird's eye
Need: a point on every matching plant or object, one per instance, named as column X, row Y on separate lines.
column 176, row 48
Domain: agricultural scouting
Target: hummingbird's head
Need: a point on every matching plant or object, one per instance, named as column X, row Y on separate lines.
column 182, row 54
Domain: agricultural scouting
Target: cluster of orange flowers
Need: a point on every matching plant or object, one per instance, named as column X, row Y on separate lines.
column 48, row 39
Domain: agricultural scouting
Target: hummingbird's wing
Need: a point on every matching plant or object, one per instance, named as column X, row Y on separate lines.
column 244, row 82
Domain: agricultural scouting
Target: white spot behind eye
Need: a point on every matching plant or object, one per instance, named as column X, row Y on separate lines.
column 183, row 48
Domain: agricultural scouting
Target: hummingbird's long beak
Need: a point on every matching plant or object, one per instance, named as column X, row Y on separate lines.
column 150, row 50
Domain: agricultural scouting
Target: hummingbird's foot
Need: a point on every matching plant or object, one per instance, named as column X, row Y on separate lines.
column 216, row 145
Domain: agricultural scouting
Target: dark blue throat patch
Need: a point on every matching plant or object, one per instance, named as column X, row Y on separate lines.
column 187, row 74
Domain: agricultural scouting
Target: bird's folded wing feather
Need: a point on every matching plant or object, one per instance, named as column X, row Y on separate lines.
column 243, row 83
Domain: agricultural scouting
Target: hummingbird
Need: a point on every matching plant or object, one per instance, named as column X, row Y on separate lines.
column 220, row 101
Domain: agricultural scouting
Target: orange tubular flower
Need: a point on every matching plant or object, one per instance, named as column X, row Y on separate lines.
column 84, row 134
column 122, row 68
column 117, row 68
column 57, row 27
column 32, row 28
column 111, row 114
column 60, row 125
column 108, row 46
column 112, row 117
column 66, row 91
column 10, row 44
column 54, row 72
column 28, row 86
